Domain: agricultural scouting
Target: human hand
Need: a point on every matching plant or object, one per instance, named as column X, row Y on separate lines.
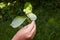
column 26, row 33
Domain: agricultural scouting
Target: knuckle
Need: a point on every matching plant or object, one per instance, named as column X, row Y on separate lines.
column 28, row 36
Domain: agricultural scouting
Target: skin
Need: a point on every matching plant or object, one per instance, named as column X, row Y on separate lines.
column 26, row 33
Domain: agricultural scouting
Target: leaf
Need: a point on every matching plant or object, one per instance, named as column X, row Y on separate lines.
column 28, row 4
column 2, row 5
column 27, row 8
column 32, row 16
column 18, row 21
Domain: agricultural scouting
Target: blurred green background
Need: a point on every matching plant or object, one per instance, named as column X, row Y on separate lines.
column 48, row 18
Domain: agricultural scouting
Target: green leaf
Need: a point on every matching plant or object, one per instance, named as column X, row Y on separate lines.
column 2, row 5
column 32, row 16
column 18, row 21
column 27, row 8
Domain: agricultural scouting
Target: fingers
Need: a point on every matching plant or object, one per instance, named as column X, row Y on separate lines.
column 27, row 26
column 33, row 32
column 30, row 27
